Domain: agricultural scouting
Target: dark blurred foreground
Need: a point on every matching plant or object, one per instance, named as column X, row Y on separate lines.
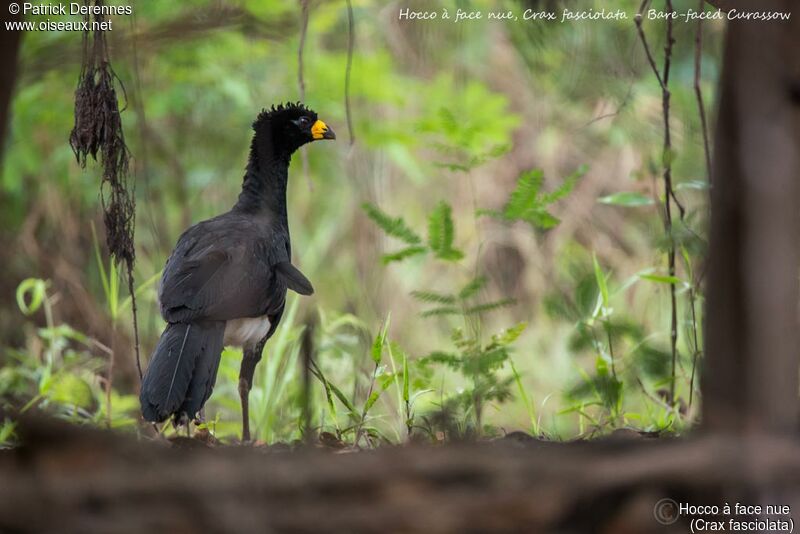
column 95, row 481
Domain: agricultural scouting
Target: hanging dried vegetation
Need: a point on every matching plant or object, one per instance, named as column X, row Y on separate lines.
column 98, row 129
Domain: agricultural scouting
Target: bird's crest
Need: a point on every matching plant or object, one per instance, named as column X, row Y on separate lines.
column 294, row 108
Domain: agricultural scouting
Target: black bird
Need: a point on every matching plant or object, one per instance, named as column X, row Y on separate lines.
column 226, row 281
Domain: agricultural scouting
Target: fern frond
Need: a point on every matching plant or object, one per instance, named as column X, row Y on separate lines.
column 472, row 287
column 445, row 358
column 506, row 337
column 441, row 310
column 393, row 226
column 490, row 306
column 565, row 188
column 525, row 197
column 441, row 233
column 433, row 297
column 400, row 255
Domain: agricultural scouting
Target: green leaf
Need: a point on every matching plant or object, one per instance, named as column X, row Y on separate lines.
column 525, row 196
column 400, row 255
column 441, row 233
column 542, row 220
column 661, row 279
column 36, row 289
column 628, row 200
column 528, row 203
column 7, row 432
column 600, row 277
column 383, row 384
column 700, row 185
column 70, row 389
column 508, row 336
column 344, row 400
column 328, row 390
column 380, row 340
column 395, row 227
column 525, row 398
column 405, row 378
column 450, row 255
column 63, row 331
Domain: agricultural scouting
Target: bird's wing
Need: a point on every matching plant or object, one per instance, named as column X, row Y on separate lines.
column 293, row 278
column 222, row 269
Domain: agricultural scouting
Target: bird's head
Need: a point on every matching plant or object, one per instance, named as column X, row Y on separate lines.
column 290, row 126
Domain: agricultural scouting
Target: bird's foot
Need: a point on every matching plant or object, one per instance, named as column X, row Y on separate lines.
column 182, row 420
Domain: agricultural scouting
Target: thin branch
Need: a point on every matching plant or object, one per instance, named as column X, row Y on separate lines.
column 668, row 407
column 610, row 349
column 614, row 113
column 638, row 19
column 669, row 193
column 696, row 352
column 698, row 62
column 138, row 105
column 350, row 44
column 307, row 350
column 110, row 376
column 301, row 82
column 186, row 26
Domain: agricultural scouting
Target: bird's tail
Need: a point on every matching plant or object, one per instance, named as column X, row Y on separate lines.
column 182, row 371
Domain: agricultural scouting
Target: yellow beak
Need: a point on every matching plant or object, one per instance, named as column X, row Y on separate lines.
column 320, row 130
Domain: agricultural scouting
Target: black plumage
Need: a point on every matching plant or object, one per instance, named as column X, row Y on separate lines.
column 226, row 281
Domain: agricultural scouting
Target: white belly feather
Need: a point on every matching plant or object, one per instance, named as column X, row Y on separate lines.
column 246, row 332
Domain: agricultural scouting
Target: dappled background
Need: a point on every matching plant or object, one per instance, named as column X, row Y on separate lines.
column 525, row 286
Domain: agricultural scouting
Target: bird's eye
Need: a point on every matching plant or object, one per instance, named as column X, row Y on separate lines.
column 303, row 121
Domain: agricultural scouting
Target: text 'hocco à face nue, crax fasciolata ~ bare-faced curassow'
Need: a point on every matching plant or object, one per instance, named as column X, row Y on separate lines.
column 226, row 281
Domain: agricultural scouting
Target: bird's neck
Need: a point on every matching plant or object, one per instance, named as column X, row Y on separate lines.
column 265, row 180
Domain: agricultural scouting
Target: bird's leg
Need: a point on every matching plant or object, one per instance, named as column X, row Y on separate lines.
column 251, row 358
column 244, row 395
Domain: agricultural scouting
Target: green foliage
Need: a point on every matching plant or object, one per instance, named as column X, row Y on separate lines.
column 460, row 303
column 431, row 110
column 395, row 227
column 528, row 203
column 441, row 233
column 30, row 295
column 7, row 433
column 480, row 364
column 63, row 377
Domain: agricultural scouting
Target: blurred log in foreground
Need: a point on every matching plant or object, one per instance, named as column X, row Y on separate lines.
column 72, row 479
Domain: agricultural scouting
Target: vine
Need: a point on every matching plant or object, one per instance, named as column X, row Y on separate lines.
column 667, row 156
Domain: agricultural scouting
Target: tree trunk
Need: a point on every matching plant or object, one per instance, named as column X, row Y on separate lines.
column 9, row 50
column 750, row 378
